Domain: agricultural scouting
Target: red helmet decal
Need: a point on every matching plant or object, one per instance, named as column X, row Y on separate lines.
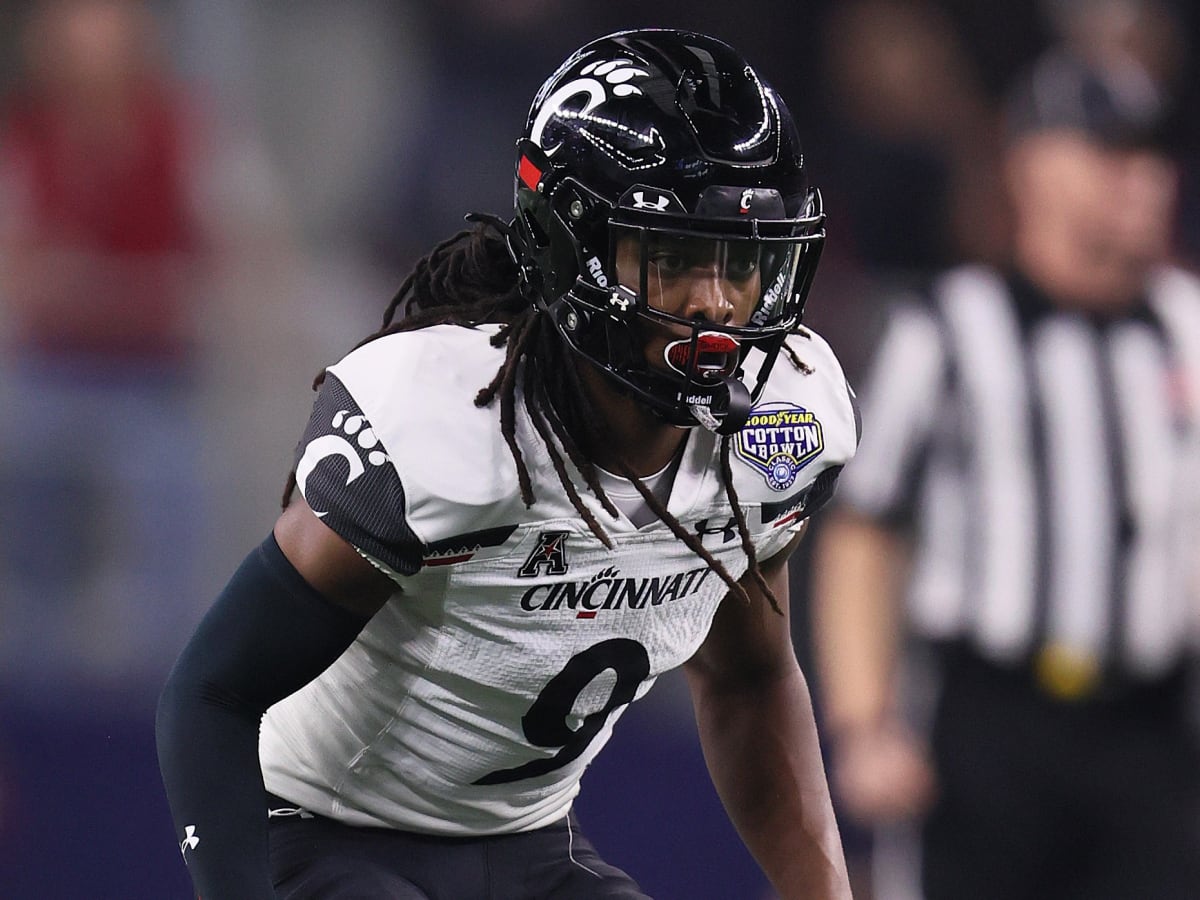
column 529, row 174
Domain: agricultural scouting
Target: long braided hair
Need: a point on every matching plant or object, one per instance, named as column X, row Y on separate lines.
column 471, row 279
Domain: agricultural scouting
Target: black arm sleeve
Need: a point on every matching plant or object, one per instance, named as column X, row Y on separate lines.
column 268, row 634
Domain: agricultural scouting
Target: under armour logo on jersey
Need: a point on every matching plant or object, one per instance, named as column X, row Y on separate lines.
column 190, row 840
column 728, row 531
column 549, row 552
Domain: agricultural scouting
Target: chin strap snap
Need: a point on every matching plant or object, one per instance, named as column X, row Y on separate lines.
column 727, row 407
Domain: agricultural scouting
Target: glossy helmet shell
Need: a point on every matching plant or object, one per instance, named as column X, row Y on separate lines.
column 655, row 129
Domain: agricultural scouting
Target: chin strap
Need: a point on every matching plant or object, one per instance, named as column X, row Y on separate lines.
column 727, row 409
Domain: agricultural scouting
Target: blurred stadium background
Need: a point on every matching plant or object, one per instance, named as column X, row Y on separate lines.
column 227, row 195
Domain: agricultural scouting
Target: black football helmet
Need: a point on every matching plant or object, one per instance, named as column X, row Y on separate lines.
column 646, row 155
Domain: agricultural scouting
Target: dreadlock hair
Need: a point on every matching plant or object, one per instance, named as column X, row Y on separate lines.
column 471, row 279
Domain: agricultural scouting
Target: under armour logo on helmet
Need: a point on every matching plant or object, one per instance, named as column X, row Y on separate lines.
column 658, row 204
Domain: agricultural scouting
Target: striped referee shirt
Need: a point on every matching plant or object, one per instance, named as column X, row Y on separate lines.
column 1048, row 465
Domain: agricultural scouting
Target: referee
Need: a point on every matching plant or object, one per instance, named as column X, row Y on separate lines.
column 1025, row 505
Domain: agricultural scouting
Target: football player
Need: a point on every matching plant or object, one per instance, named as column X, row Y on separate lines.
column 558, row 471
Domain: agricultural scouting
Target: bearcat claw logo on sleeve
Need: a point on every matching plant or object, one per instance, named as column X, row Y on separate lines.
column 778, row 440
column 351, row 439
column 347, row 478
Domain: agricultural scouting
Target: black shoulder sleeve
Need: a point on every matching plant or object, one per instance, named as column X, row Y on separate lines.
column 268, row 634
column 346, row 476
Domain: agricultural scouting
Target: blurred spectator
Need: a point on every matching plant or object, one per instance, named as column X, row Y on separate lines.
column 99, row 246
column 1124, row 35
column 1025, row 506
column 460, row 144
column 148, row 292
column 920, row 183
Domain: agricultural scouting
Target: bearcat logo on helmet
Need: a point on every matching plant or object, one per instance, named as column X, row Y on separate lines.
column 778, row 440
column 599, row 82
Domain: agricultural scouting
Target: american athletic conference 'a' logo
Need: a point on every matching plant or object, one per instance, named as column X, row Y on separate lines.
column 550, row 554
column 778, row 440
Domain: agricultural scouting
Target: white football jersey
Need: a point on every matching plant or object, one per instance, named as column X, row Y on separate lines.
column 474, row 700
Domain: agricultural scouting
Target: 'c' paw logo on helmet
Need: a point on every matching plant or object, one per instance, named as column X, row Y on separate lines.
column 600, row 81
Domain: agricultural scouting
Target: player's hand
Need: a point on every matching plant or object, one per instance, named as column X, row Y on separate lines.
column 882, row 774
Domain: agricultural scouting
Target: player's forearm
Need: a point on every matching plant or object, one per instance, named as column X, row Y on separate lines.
column 760, row 742
column 268, row 635
column 208, row 754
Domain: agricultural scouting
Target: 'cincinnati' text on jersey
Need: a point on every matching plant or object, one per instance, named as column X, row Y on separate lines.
column 608, row 590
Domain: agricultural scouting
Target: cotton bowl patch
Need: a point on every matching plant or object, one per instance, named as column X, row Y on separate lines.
column 778, row 440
